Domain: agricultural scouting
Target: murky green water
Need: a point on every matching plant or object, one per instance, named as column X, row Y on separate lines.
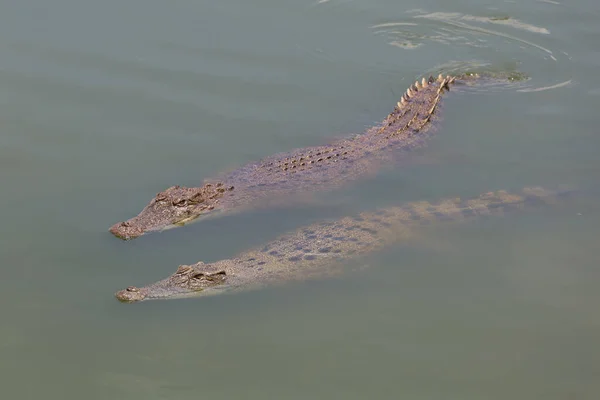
column 103, row 104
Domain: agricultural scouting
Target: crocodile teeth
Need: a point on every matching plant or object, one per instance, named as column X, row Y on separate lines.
column 452, row 79
column 402, row 101
column 424, row 83
column 440, row 78
column 399, row 104
column 418, row 85
column 414, row 88
column 409, row 93
column 405, row 97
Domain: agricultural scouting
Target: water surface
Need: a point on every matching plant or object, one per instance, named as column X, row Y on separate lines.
column 103, row 104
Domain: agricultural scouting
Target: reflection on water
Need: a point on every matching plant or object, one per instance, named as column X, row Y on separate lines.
column 104, row 104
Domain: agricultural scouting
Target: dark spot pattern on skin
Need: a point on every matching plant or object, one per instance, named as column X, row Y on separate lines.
column 442, row 216
column 311, row 237
column 412, row 213
column 329, row 235
column 309, row 257
column 463, row 204
column 353, row 239
column 371, row 231
column 536, row 201
column 251, row 259
column 358, row 219
column 468, row 212
column 262, row 263
column 508, row 207
column 325, row 250
column 273, row 253
column 339, row 238
column 294, row 258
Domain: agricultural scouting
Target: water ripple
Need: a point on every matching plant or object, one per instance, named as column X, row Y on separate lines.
column 456, row 28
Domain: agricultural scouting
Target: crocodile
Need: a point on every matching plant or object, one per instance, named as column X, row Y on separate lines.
column 320, row 249
column 305, row 170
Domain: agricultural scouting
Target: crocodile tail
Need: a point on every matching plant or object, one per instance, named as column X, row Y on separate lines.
column 491, row 203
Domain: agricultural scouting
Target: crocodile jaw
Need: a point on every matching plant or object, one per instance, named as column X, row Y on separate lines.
column 131, row 295
column 141, row 224
column 175, row 206
column 186, row 281
column 134, row 294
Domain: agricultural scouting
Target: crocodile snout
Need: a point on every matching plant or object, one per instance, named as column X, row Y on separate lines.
column 126, row 231
column 130, row 295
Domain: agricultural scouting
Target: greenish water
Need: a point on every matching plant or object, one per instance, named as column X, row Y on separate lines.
column 103, row 104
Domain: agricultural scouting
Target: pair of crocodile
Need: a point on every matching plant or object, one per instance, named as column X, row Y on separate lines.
column 319, row 249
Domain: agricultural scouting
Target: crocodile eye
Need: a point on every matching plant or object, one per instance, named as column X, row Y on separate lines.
column 180, row 203
column 183, row 269
column 132, row 289
column 199, row 276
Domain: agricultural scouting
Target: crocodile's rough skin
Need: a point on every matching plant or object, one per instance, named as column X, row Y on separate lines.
column 304, row 170
column 321, row 248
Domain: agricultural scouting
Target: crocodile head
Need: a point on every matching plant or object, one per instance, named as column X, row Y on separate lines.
column 187, row 280
column 174, row 206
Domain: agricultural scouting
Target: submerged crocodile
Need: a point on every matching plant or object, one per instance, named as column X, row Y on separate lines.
column 320, row 249
column 303, row 170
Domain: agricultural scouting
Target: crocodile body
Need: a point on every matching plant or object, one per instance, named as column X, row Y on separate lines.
column 304, row 170
column 321, row 248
